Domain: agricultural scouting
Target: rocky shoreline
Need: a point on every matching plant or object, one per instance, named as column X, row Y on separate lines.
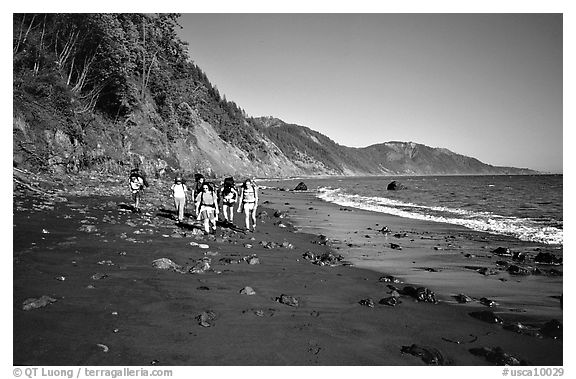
column 96, row 284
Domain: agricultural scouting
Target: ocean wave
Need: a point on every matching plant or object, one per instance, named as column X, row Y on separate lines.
column 521, row 228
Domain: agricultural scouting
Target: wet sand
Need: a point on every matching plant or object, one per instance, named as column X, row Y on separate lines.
column 94, row 257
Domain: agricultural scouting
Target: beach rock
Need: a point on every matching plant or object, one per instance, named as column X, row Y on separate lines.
column 520, row 328
column 487, row 316
column 279, row 214
column 320, row 240
column 463, row 299
column 395, row 246
column 391, row 301
column 301, row 187
column 517, row 270
column 547, row 258
column 552, row 329
column 385, row 230
column 167, row 264
column 104, row 348
column 488, row 302
column 252, row 260
column 309, row 256
column 425, row 295
column 326, row 259
column 206, row 319
column 487, row 271
column 518, row 256
column 99, row 275
column 497, row 355
column 200, row 267
column 367, row 302
column 227, row 261
column 247, row 291
column 287, row 300
column 430, row 355
column 33, row 303
column 88, row 228
column 502, row 251
column 395, row 185
column 389, row 279
column 400, row 235
column 420, row 294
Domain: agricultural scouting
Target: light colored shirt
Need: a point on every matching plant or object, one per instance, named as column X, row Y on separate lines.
column 179, row 190
column 206, row 198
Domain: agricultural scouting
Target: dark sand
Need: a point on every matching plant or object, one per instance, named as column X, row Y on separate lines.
column 145, row 315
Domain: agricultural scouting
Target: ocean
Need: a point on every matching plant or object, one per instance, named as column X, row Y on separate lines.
column 525, row 207
column 523, row 213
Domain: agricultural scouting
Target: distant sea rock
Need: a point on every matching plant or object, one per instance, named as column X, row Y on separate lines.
column 394, row 186
column 301, row 187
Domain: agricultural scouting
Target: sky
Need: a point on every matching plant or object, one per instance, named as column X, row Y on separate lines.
column 489, row 86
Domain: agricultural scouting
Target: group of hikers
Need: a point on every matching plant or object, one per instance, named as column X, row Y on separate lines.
column 207, row 199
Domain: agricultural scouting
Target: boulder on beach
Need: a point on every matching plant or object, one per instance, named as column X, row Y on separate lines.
column 395, row 185
column 430, row 355
column 40, row 302
column 487, row 316
column 287, row 300
column 497, row 355
column 547, row 258
column 301, row 187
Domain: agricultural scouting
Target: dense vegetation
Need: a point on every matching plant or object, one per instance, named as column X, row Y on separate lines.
column 79, row 70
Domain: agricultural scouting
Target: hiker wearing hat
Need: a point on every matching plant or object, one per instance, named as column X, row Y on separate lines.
column 179, row 191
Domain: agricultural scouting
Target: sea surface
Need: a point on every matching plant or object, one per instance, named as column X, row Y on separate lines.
column 525, row 207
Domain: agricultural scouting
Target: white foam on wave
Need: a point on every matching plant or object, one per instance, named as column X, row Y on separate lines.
column 523, row 229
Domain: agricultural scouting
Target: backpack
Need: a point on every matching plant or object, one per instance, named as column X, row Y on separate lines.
column 229, row 182
column 136, row 174
column 212, row 192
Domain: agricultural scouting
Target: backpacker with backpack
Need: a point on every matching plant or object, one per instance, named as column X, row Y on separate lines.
column 228, row 193
column 135, row 173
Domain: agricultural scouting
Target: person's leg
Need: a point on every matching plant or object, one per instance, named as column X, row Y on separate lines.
column 181, row 208
column 176, row 206
column 253, row 219
column 225, row 211
column 213, row 221
column 206, row 217
column 137, row 202
column 232, row 214
column 247, row 217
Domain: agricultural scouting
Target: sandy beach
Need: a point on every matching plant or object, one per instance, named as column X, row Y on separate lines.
column 108, row 304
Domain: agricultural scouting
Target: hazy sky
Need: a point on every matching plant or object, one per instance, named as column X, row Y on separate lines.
column 483, row 85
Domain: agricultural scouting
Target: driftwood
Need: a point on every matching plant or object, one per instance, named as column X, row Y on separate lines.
column 21, row 180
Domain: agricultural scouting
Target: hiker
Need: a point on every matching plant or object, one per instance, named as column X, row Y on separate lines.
column 198, row 182
column 248, row 202
column 228, row 194
column 207, row 207
column 179, row 191
column 137, row 182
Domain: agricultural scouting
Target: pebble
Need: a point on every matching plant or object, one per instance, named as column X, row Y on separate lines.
column 248, row 291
